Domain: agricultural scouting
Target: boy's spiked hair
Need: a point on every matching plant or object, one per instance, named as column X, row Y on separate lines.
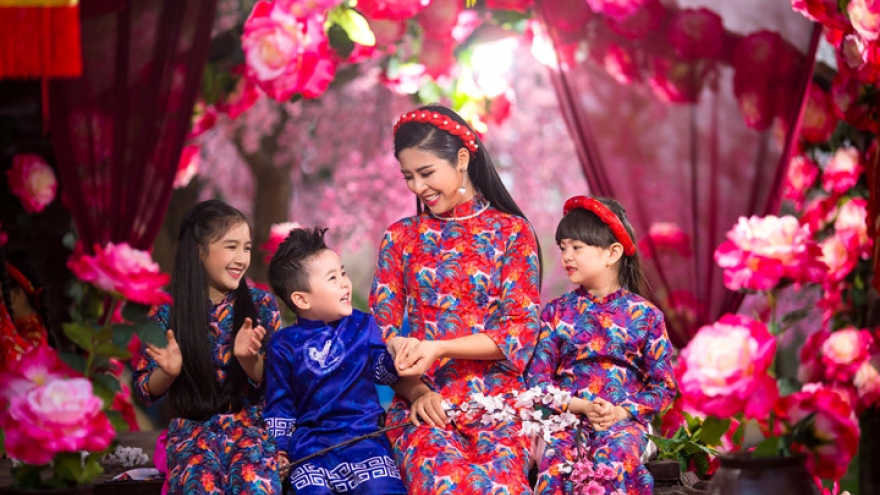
column 287, row 270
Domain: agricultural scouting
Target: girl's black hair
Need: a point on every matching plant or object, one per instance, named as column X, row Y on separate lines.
column 481, row 170
column 585, row 226
column 196, row 394
column 22, row 262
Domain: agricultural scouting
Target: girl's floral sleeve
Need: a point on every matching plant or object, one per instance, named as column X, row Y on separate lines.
column 542, row 369
column 659, row 377
column 146, row 365
column 388, row 294
column 513, row 322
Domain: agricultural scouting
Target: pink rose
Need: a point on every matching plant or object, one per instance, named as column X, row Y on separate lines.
column 842, row 171
column 620, row 64
column 677, row 81
column 800, row 177
column 645, row 21
column 697, row 33
column 438, row 57
column 822, row 11
column 60, row 416
column 867, row 383
column 204, row 118
column 838, row 257
column 858, row 58
column 725, row 369
column 831, row 438
column 286, row 55
column 32, row 181
column 302, row 9
column 277, row 233
column 188, row 166
column 616, row 9
column 760, row 252
column 852, row 226
column 819, row 118
column 38, row 366
column 517, row 5
column 119, row 268
column 819, row 212
column 387, row 32
column 843, row 352
column 242, row 98
column 391, row 9
column 865, row 18
column 665, row 236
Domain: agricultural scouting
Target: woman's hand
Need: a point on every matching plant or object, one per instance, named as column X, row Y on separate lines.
column 401, row 346
column 418, row 359
column 248, row 341
column 169, row 358
column 429, row 408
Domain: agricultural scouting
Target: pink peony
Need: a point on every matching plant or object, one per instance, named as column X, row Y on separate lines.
column 843, row 352
column 725, row 369
column 867, row 383
column 387, row 32
column 822, row 11
column 307, row 8
column 819, row 212
column 287, row 56
column 645, row 21
column 697, row 33
column 119, row 268
column 204, row 118
column 60, row 416
column 760, row 252
column 391, row 9
column 831, row 438
column 242, row 98
column 858, row 59
column 865, row 18
column 438, row 57
column 800, row 177
column 38, row 366
column 676, row 81
column 439, row 18
column 819, row 119
column 842, row 171
column 277, row 233
column 616, row 9
column 665, row 236
column 620, row 64
column 188, row 166
column 32, row 181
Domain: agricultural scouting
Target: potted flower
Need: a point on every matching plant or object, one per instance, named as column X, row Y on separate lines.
column 728, row 369
column 56, row 409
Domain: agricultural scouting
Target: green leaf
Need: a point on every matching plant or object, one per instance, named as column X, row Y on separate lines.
column 768, row 448
column 739, row 434
column 701, row 463
column 712, row 431
column 92, row 469
column 356, row 27
column 107, row 381
column 692, row 422
column 122, row 334
column 339, row 40
column 68, row 466
column 28, row 475
column 103, row 392
column 75, row 361
column 111, row 350
column 151, row 332
column 118, row 422
column 81, row 335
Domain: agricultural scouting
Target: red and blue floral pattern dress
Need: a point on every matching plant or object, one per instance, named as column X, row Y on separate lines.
column 473, row 270
column 231, row 452
column 616, row 348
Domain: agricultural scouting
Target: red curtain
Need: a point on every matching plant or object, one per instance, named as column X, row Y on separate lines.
column 686, row 114
column 118, row 130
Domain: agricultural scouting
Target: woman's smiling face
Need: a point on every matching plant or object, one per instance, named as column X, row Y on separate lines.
column 434, row 180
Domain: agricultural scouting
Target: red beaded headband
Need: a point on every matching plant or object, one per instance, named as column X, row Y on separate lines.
column 441, row 122
column 606, row 215
column 21, row 280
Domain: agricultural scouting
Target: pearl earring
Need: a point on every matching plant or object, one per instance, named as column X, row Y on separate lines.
column 462, row 190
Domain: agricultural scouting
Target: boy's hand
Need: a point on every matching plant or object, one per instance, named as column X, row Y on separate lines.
column 401, row 346
column 281, row 461
column 417, row 361
column 249, row 340
column 169, row 359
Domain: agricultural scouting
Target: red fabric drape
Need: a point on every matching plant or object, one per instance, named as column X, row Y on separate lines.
column 119, row 129
column 688, row 124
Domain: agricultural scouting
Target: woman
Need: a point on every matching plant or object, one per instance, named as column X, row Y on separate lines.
column 465, row 271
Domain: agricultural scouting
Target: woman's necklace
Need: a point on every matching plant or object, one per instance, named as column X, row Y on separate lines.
column 459, row 219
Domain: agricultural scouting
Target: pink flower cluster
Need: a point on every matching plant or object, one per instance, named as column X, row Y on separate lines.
column 665, row 237
column 121, row 269
column 588, row 477
column 277, row 233
column 848, row 360
column 761, row 252
column 724, row 369
column 285, row 54
column 32, row 181
column 46, row 410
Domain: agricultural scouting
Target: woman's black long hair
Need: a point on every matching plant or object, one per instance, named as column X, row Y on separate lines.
column 585, row 226
column 196, row 394
column 481, row 170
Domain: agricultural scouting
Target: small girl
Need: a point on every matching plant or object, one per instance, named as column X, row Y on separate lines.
column 212, row 366
column 605, row 344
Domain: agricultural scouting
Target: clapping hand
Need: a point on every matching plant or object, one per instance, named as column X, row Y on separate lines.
column 249, row 340
column 169, row 359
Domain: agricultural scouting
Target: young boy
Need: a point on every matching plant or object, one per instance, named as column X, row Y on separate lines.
column 320, row 376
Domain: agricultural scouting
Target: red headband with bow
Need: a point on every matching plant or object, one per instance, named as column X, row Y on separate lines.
column 606, row 215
